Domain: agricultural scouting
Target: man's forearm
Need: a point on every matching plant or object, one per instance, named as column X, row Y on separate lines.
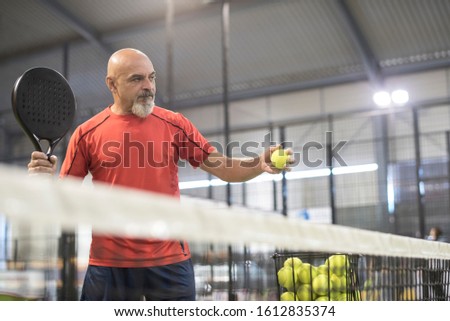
column 233, row 169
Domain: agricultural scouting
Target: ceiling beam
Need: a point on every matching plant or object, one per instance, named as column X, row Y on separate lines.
column 269, row 90
column 369, row 60
column 310, row 84
column 117, row 35
column 372, row 69
column 76, row 24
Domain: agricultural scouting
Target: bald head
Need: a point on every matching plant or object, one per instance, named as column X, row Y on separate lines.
column 131, row 80
column 124, row 59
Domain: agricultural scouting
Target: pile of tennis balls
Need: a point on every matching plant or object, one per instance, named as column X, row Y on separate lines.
column 306, row 282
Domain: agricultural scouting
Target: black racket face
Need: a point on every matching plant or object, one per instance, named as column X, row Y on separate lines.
column 44, row 104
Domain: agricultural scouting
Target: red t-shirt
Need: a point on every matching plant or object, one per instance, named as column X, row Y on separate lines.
column 138, row 153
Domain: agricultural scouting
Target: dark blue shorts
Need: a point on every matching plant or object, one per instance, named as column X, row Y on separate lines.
column 175, row 282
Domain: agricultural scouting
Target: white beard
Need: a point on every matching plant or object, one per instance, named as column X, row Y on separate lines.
column 143, row 110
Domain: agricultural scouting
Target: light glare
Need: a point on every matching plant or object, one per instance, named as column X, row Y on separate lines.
column 382, row 98
column 322, row 172
column 400, row 96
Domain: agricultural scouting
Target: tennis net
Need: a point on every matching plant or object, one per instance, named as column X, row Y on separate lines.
column 238, row 253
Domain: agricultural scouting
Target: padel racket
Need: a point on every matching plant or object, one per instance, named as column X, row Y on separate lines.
column 44, row 106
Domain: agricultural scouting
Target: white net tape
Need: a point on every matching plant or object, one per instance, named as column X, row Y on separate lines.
column 43, row 200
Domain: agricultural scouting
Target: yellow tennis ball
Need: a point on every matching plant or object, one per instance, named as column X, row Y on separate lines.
column 338, row 263
column 305, row 293
column 279, row 158
column 336, row 296
column 293, row 262
column 287, row 277
column 320, row 284
column 335, row 282
column 344, row 283
column 288, row 296
column 342, row 296
column 307, row 273
column 323, row 269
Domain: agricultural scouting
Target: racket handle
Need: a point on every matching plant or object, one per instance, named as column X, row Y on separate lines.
column 51, row 147
column 49, row 152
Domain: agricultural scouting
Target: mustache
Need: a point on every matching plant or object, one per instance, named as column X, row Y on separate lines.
column 146, row 94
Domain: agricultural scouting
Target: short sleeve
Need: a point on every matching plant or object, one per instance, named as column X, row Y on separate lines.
column 75, row 163
column 193, row 147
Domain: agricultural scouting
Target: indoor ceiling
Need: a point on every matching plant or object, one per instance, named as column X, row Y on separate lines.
column 274, row 46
